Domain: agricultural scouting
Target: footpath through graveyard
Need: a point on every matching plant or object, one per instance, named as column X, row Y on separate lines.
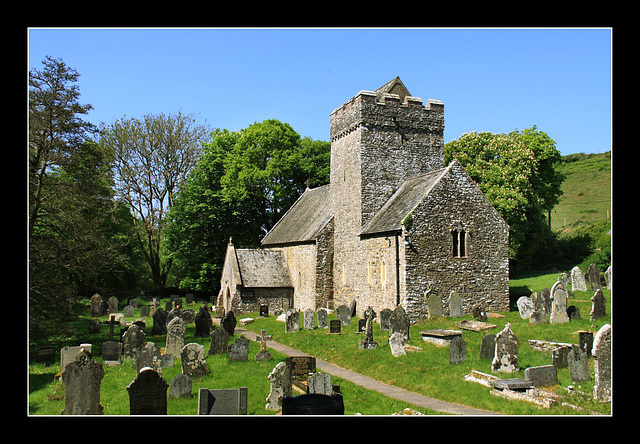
column 370, row 383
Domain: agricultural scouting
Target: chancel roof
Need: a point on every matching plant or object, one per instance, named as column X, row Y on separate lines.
column 262, row 268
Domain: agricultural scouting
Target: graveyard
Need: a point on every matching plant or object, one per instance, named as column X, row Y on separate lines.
column 424, row 366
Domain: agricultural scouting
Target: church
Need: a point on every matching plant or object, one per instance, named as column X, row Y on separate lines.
column 394, row 226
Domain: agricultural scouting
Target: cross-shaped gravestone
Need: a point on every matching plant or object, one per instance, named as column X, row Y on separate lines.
column 264, row 354
column 112, row 323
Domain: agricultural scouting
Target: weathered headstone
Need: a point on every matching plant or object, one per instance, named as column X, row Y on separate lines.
column 578, row 364
column 598, row 306
column 385, row 315
column 323, row 319
column 222, row 401
column 133, row 339
column 573, row 313
column 577, row 280
column 455, row 305
column 546, row 297
column 203, row 323
column 175, row 313
column 94, row 326
column 608, row 275
column 343, row 314
column 166, row 360
column 586, row 341
column 434, row 304
column 148, row 394
column 239, row 350
column 82, row 379
column 559, row 304
column 175, row 337
column 525, row 307
column 280, row 386
column 488, row 347
column 479, row 313
column 335, row 326
column 559, row 357
column 96, row 305
column 292, row 321
column 602, row 367
column 188, row 315
column 168, row 306
column 457, row 350
column 538, row 315
column 362, row 325
column 263, row 354
column 111, row 352
column 399, row 322
column 228, row 322
column 159, row 322
column 144, row 311
column 133, row 302
column 112, row 306
column 193, row 360
column 219, row 341
column 541, row 376
column 128, row 311
column 593, row 277
column 396, row 343
column 505, row 358
column 181, row 386
column 320, row 383
column 368, row 342
column 309, row 321
column 148, row 355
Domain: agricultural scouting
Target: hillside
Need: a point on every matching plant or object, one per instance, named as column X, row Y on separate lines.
column 587, row 191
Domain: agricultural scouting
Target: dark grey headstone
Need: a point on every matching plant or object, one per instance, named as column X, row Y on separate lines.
column 479, row 313
column 228, row 322
column 181, row 386
column 559, row 357
column 148, row 394
column 541, row 376
column 203, row 323
column 222, row 401
column 598, row 306
column 219, row 341
column 488, row 347
column 343, row 314
column 133, row 339
column 457, row 350
column 313, row 404
column 148, row 355
column 593, row 277
column 112, row 351
column 399, row 322
column 159, row 322
column 335, row 326
column 385, row 315
column 239, row 350
column 292, row 321
column 578, row 364
column 323, row 320
column 144, row 311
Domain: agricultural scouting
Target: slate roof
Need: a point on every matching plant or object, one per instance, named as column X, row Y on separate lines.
column 302, row 222
column 262, row 268
column 389, row 218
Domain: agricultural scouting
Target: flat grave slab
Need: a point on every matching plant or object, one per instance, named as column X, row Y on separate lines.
column 475, row 325
column 439, row 336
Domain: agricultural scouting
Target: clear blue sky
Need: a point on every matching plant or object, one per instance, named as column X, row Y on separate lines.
column 493, row 80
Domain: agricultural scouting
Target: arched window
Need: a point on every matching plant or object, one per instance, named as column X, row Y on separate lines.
column 460, row 243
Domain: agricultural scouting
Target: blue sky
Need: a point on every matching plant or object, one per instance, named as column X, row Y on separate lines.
column 493, row 80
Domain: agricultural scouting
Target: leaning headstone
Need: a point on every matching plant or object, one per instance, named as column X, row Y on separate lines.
column 222, row 401
column 538, row 315
column 368, row 342
column 280, row 386
column 159, row 322
column 593, row 277
column 608, row 275
column 149, row 355
column 309, row 321
column 239, row 350
column 181, row 386
column 577, row 280
column 219, row 342
column 434, row 305
column 133, row 339
column 96, row 305
column 505, row 358
column 128, row 311
column 598, row 306
column 559, row 304
column 320, row 383
column 455, row 305
column 343, row 314
column 457, row 350
column 399, row 322
column 578, row 364
column 525, row 307
column 488, row 347
column 352, row 308
column 148, row 394
column 323, row 319
column 193, row 360
column 385, row 315
column 292, row 321
column 203, row 323
column 541, row 376
column 175, row 337
column 228, row 322
column 396, row 343
column 602, row 367
column 112, row 306
column 82, row 379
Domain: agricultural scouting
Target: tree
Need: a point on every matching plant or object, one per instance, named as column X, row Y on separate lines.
column 152, row 159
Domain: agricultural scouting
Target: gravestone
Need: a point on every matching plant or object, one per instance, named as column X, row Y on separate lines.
column 149, row 355
column 168, row 306
column 385, row 315
column 598, row 306
column 546, row 297
column 189, row 298
column 578, row 364
column 222, row 401
column 133, row 302
column 82, row 379
column 264, row 310
column 175, row 313
column 343, row 314
column 309, row 321
column 292, row 321
column 335, row 326
column 263, row 354
column 148, row 394
column 178, row 303
column 239, row 350
column 559, row 304
column 175, row 337
column 368, row 342
column 457, row 350
column 488, row 347
column 280, row 386
column 362, row 325
column 133, row 339
column 525, row 307
column 352, row 308
column 577, row 280
column 94, row 326
column 320, row 383
column 593, row 277
column 203, row 323
column 455, row 305
column 173, row 297
column 96, row 305
column 188, row 315
column 181, row 386
column 228, row 322
column 111, row 352
column 159, row 322
column 301, row 365
column 193, row 360
column 128, row 311
column 68, row 354
column 396, row 343
column 602, row 364
column 399, row 322
column 573, row 313
column 538, row 315
column 323, row 319
column 434, row 304
column 586, row 341
column 505, row 358
column 559, row 357
column 313, row 404
column 46, row 355
column 541, row 376
column 112, row 305
column 219, row 341
column 166, row 360
column 144, row 311
column 479, row 313
column 608, row 275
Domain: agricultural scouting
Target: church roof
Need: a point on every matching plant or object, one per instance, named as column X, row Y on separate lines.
column 262, row 268
column 302, row 222
column 394, row 86
column 390, row 217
